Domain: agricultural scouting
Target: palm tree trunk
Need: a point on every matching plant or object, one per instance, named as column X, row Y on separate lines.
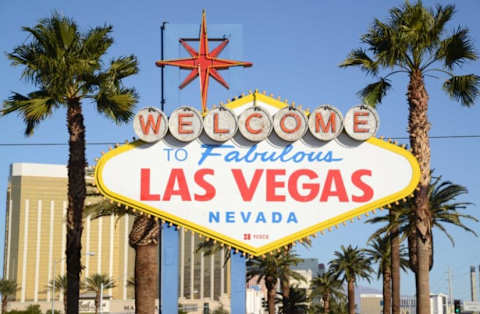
column 395, row 248
column 351, row 297
column 271, row 293
column 326, row 303
column 76, row 198
column 65, row 302
column 271, row 284
column 97, row 302
column 144, row 238
column 4, row 303
column 418, row 128
column 285, row 285
column 387, row 289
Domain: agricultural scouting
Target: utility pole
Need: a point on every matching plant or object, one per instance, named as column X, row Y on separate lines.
column 450, row 291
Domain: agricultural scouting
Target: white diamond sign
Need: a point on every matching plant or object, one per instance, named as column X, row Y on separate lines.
column 257, row 197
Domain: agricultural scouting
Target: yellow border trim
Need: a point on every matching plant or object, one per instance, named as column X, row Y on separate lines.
column 283, row 241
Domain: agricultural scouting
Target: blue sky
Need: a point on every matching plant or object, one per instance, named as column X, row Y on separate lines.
column 296, row 47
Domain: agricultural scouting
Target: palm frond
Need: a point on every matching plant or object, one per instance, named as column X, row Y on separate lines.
column 463, row 88
column 359, row 57
column 456, row 49
column 373, row 93
column 33, row 108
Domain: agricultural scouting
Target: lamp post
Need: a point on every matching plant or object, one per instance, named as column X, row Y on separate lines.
column 53, row 279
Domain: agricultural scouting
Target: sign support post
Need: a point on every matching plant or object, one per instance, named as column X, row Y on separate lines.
column 170, row 270
column 238, row 273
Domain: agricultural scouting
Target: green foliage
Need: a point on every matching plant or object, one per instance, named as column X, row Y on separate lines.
column 296, row 303
column 327, row 284
column 60, row 283
column 412, row 40
column 54, row 312
column 31, row 309
column 8, row 287
column 180, row 309
column 95, row 281
column 380, row 252
column 274, row 267
column 351, row 263
column 444, row 209
column 66, row 67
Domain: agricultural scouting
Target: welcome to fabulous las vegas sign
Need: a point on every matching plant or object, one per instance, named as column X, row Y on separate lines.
column 257, row 174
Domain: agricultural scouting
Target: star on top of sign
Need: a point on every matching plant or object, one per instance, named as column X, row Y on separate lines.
column 203, row 63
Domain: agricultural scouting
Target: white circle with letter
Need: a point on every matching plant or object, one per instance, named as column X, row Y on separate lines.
column 361, row 122
column 185, row 124
column 325, row 122
column 150, row 125
column 290, row 124
column 220, row 124
column 255, row 124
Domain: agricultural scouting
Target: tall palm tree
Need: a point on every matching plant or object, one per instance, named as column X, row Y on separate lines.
column 271, row 269
column 392, row 219
column 60, row 284
column 66, row 68
column 444, row 210
column 143, row 238
column 380, row 252
column 7, row 289
column 326, row 286
column 96, row 283
column 351, row 263
column 412, row 41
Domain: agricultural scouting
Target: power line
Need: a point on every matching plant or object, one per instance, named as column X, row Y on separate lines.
column 435, row 137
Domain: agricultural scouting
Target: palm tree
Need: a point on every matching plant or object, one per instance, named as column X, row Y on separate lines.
column 412, row 42
column 392, row 219
column 443, row 208
column 66, row 68
column 351, row 264
column 296, row 303
column 272, row 268
column 60, row 285
column 7, row 288
column 143, row 238
column 327, row 286
column 381, row 252
column 96, row 283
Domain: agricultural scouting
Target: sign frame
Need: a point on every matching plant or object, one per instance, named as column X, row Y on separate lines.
column 284, row 241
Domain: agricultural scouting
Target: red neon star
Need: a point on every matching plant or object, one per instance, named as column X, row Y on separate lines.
column 203, row 63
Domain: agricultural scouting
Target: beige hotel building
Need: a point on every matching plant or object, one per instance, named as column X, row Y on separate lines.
column 35, row 244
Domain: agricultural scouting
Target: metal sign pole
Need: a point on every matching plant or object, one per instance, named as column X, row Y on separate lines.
column 238, row 273
column 170, row 270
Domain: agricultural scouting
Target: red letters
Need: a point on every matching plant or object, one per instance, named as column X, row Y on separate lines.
column 367, row 189
column 247, row 191
column 182, row 123
column 320, row 123
column 357, row 122
column 200, row 181
column 146, row 127
column 177, row 175
column 312, row 187
column 249, row 127
column 273, row 184
column 216, row 128
column 298, row 123
column 145, row 186
column 334, row 176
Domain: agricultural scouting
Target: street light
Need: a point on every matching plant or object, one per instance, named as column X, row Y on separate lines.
column 53, row 278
